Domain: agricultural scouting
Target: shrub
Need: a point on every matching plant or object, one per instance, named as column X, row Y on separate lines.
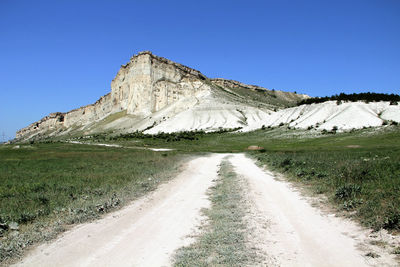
column 286, row 162
column 392, row 220
column 347, row 191
column 351, row 204
column 26, row 217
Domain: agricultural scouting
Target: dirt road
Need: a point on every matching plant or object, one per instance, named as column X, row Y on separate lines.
column 286, row 227
column 145, row 233
column 296, row 234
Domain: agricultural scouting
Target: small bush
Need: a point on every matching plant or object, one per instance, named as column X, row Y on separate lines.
column 351, row 204
column 26, row 217
column 392, row 220
column 286, row 162
column 347, row 191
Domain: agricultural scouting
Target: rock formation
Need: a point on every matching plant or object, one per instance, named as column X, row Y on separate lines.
column 150, row 90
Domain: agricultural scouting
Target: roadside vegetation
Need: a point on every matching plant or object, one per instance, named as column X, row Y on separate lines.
column 223, row 239
column 363, row 181
column 46, row 187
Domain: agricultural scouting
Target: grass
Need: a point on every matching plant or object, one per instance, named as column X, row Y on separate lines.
column 111, row 118
column 45, row 187
column 223, row 241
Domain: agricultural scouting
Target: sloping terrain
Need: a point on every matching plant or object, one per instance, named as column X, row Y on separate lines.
column 211, row 115
column 327, row 115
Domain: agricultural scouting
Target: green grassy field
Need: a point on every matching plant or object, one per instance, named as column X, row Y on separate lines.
column 45, row 187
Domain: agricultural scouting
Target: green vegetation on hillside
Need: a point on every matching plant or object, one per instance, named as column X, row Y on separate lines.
column 367, row 97
column 111, row 118
column 263, row 97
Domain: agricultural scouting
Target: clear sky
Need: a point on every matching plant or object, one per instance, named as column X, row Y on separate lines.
column 60, row 55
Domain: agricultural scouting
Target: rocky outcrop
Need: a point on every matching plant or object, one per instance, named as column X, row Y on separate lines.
column 146, row 84
column 58, row 122
column 149, row 83
column 154, row 92
column 51, row 122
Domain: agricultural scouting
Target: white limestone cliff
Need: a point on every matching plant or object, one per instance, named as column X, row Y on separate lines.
column 144, row 85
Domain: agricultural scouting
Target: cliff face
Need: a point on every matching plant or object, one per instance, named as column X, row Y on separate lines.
column 149, row 83
column 154, row 94
column 143, row 86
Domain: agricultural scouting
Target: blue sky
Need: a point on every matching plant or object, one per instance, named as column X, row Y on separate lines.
column 60, row 55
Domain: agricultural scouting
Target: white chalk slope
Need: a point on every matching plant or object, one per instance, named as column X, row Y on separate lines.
column 210, row 113
column 344, row 116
